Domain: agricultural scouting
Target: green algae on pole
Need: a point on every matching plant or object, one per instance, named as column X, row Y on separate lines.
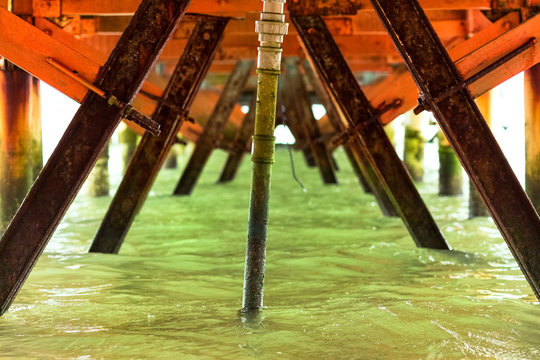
column 20, row 138
column 450, row 171
column 213, row 129
column 84, row 139
column 463, row 125
column 367, row 131
column 271, row 29
column 152, row 150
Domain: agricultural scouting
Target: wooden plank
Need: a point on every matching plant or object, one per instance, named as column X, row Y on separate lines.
column 470, row 56
column 231, row 8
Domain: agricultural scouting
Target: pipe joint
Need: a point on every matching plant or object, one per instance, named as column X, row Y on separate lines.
column 263, row 149
column 271, row 29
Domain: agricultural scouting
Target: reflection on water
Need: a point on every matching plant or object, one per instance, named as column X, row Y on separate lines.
column 342, row 281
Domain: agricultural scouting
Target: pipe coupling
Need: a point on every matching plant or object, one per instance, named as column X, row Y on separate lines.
column 271, row 28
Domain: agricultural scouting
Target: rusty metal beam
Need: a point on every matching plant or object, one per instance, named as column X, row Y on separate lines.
column 335, row 120
column 364, row 123
column 209, row 139
column 152, row 150
column 295, row 90
column 241, row 144
column 459, row 118
column 83, row 141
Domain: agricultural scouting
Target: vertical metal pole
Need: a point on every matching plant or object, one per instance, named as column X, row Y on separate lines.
column 271, row 29
column 20, row 139
column 84, row 139
column 532, row 134
column 413, row 152
column 462, row 123
column 450, row 172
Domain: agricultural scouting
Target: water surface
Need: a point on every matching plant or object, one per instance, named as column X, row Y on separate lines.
column 342, row 281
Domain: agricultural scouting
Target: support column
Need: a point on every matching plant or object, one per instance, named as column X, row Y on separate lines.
column 152, row 150
column 241, row 144
column 217, row 121
column 172, row 158
column 20, row 138
column 532, row 134
column 450, row 174
column 296, row 94
column 463, row 124
column 365, row 125
column 98, row 180
column 413, row 151
column 70, row 163
column 476, row 203
column 271, row 29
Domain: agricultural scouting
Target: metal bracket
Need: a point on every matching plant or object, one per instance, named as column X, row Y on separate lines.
column 424, row 101
column 128, row 112
column 343, row 137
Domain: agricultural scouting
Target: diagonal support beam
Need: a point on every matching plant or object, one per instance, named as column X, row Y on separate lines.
column 335, row 121
column 83, row 141
column 364, row 119
column 295, row 91
column 241, row 144
column 463, row 124
column 152, row 150
column 209, row 139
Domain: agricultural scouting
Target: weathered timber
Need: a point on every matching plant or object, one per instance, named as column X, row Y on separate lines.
column 477, row 207
column 20, row 138
column 241, row 144
column 152, row 151
column 271, row 29
column 83, row 141
column 232, row 8
column 364, row 122
column 295, row 90
column 209, row 139
column 463, row 124
column 532, row 133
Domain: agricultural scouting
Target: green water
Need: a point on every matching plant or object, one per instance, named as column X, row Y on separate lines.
column 342, row 281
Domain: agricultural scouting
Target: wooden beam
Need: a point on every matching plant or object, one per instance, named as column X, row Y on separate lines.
column 471, row 56
column 464, row 127
column 84, row 139
column 239, row 8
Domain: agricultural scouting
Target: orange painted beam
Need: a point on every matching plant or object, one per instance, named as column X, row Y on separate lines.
column 470, row 57
column 28, row 47
column 235, row 7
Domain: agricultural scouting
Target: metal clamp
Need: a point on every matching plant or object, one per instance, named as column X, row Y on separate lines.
column 424, row 100
column 128, row 112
